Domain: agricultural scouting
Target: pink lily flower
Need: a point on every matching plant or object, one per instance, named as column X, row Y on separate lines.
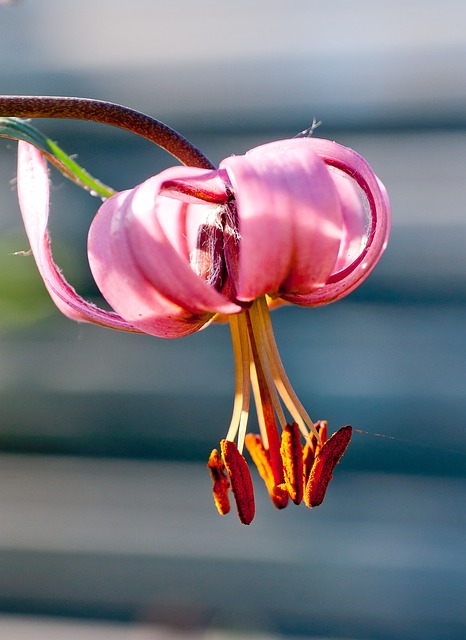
column 300, row 221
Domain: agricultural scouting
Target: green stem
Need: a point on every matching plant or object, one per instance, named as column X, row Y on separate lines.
column 106, row 113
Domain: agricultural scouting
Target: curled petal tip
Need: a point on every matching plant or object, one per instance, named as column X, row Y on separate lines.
column 33, row 194
column 349, row 166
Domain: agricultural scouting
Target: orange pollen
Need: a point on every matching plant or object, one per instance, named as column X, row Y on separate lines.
column 260, row 457
column 312, row 446
column 240, row 479
column 221, row 483
column 293, row 467
column 327, row 458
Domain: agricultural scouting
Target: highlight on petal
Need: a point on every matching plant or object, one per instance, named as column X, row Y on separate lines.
column 356, row 220
column 33, row 195
column 290, row 219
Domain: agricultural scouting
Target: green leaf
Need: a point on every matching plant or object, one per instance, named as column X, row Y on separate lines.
column 18, row 129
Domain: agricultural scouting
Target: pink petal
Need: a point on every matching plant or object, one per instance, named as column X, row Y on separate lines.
column 290, row 219
column 344, row 280
column 156, row 229
column 33, row 194
column 356, row 219
column 139, row 256
column 198, row 187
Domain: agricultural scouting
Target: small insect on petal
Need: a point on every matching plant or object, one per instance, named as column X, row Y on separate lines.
column 221, row 483
column 293, row 468
column 241, row 482
column 326, row 460
column 260, row 457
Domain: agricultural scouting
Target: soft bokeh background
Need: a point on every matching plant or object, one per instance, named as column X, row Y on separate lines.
column 107, row 528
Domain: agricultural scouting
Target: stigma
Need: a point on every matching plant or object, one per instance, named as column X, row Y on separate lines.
column 293, row 455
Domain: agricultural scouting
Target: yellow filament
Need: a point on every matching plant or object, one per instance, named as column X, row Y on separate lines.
column 239, row 418
column 252, row 337
column 283, row 385
column 257, row 336
column 258, row 402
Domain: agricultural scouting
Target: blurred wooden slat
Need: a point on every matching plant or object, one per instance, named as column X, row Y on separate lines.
column 142, row 540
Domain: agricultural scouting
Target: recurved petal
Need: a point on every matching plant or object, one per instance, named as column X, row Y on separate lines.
column 198, row 186
column 161, row 234
column 356, row 220
column 122, row 282
column 349, row 273
column 290, row 219
column 33, row 194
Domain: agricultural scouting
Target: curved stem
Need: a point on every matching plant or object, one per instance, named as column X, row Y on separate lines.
column 106, row 113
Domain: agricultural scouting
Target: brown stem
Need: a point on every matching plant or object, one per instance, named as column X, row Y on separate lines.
column 106, row 113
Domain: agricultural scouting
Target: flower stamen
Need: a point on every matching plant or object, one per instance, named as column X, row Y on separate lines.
column 312, row 446
column 261, row 459
column 269, row 403
column 292, row 455
column 219, row 477
column 282, row 383
column 240, row 341
column 240, row 479
column 327, row 458
column 288, row 469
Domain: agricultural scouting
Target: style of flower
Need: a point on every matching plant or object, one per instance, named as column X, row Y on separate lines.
column 300, row 221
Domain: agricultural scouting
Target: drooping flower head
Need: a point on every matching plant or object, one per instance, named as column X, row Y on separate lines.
column 300, row 221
